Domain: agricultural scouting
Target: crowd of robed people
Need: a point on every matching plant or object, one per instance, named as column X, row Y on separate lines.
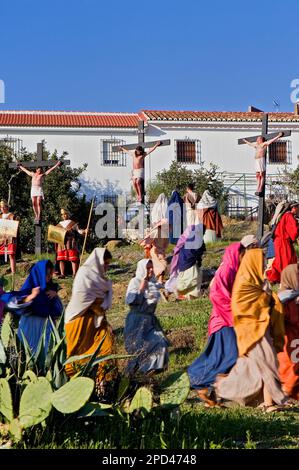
column 249, row 357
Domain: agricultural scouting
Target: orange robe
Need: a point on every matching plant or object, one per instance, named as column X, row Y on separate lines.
column 82, row 337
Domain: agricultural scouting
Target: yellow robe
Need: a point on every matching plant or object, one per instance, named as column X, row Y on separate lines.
column 82, row 337
column 253, row 309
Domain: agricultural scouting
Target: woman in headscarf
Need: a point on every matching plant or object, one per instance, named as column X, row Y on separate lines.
column 86, row 325
column 191, row 198
column 289, row 357
column 35, row 303
column 221, row 351
column 185, row 271
column 175, row 216
column 208, row 214
column 157, row 240
column 143, row 334
column 259, row 327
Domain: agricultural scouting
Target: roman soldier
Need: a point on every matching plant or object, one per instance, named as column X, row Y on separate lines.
column 9, row 246
column 69, row 251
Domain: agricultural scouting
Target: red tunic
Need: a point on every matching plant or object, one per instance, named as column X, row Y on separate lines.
column 287, row 231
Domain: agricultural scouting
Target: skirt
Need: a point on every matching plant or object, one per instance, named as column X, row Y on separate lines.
column 144, row 338
column 68, row 255
column 11, row 249
column 83, row 338
column 260, row 165
column 246, row 380
column 37, row 191
column 189, row 282
column 219, row 356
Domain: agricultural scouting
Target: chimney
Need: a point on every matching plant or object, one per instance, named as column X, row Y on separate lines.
column 253, row 109
column 296, row 109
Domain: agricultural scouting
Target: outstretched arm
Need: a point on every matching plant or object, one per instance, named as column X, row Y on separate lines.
column 21, row 167
column 249, row 143
column 153, row 148
column 269, row 142
column 59, row 163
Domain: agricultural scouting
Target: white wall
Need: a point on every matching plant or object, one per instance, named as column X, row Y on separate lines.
column 83, row 147
column 218, row 145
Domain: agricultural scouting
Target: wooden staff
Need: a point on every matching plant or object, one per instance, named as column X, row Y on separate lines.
column 12, row 281
column 87, row 230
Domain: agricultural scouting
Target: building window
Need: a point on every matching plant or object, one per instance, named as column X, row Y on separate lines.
column 280, row 153
column 110, row 158
column 188, row 151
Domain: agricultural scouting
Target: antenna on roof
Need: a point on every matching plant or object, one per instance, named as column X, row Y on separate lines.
column 276, row 104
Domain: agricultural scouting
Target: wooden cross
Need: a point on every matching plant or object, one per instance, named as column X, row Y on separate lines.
column 264, row 133
column 141, row 141
column 38, row 163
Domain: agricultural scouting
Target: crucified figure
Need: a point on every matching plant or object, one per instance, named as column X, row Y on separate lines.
column 37, row 193
column 139, row 155
column 261, row 146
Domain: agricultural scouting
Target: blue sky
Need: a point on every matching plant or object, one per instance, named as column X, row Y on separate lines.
column 101, row 55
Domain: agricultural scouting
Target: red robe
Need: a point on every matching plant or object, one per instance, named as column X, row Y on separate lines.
column 288, row 365
column 212, row 221
column 286, row 233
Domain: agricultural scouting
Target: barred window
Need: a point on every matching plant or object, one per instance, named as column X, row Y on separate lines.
column 188, row 151
column 280, row 153
column 110, row 158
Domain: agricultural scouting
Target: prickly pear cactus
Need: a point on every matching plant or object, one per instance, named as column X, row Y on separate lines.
column 94, row 409
column 2, row 354
column 6, row 408
column 175, row 389
column 35, row 404
column 142, row 400
column 73, row 395
column 6, row 330
column 29, row 377
column 15, row 430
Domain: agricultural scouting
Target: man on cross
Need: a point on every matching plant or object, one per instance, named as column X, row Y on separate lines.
column 139, row 155
column 37, row 193
column 261, row 146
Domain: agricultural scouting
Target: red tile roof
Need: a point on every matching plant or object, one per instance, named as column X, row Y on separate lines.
column 67, row 119
column 128, row 120
column 156, row 115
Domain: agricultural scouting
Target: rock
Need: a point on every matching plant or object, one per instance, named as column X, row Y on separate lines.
column 113, row 244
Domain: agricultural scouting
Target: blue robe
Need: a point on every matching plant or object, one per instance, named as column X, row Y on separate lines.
column 175, row 217
column 219, row 356
column 34, row 316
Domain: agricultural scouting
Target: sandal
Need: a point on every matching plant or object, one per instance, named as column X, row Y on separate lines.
column 203, row 395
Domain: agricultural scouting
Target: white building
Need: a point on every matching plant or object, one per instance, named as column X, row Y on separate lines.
column 196, row 137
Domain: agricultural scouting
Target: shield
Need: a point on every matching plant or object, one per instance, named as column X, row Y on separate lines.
column 8, row 230
column 56, row 234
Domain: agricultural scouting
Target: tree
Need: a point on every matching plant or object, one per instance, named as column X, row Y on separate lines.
column 61, row 188
column 177, row 177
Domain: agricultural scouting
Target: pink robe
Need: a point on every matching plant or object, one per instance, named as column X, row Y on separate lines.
column 221, row 289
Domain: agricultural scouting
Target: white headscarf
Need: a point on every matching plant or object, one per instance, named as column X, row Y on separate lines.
column 90, row 284
column 159, row 209
column 151, row 294
column 207, row 201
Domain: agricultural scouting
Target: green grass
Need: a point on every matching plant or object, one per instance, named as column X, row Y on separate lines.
column 191, row 427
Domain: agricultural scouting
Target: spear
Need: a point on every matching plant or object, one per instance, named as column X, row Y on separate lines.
column 87, row 229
